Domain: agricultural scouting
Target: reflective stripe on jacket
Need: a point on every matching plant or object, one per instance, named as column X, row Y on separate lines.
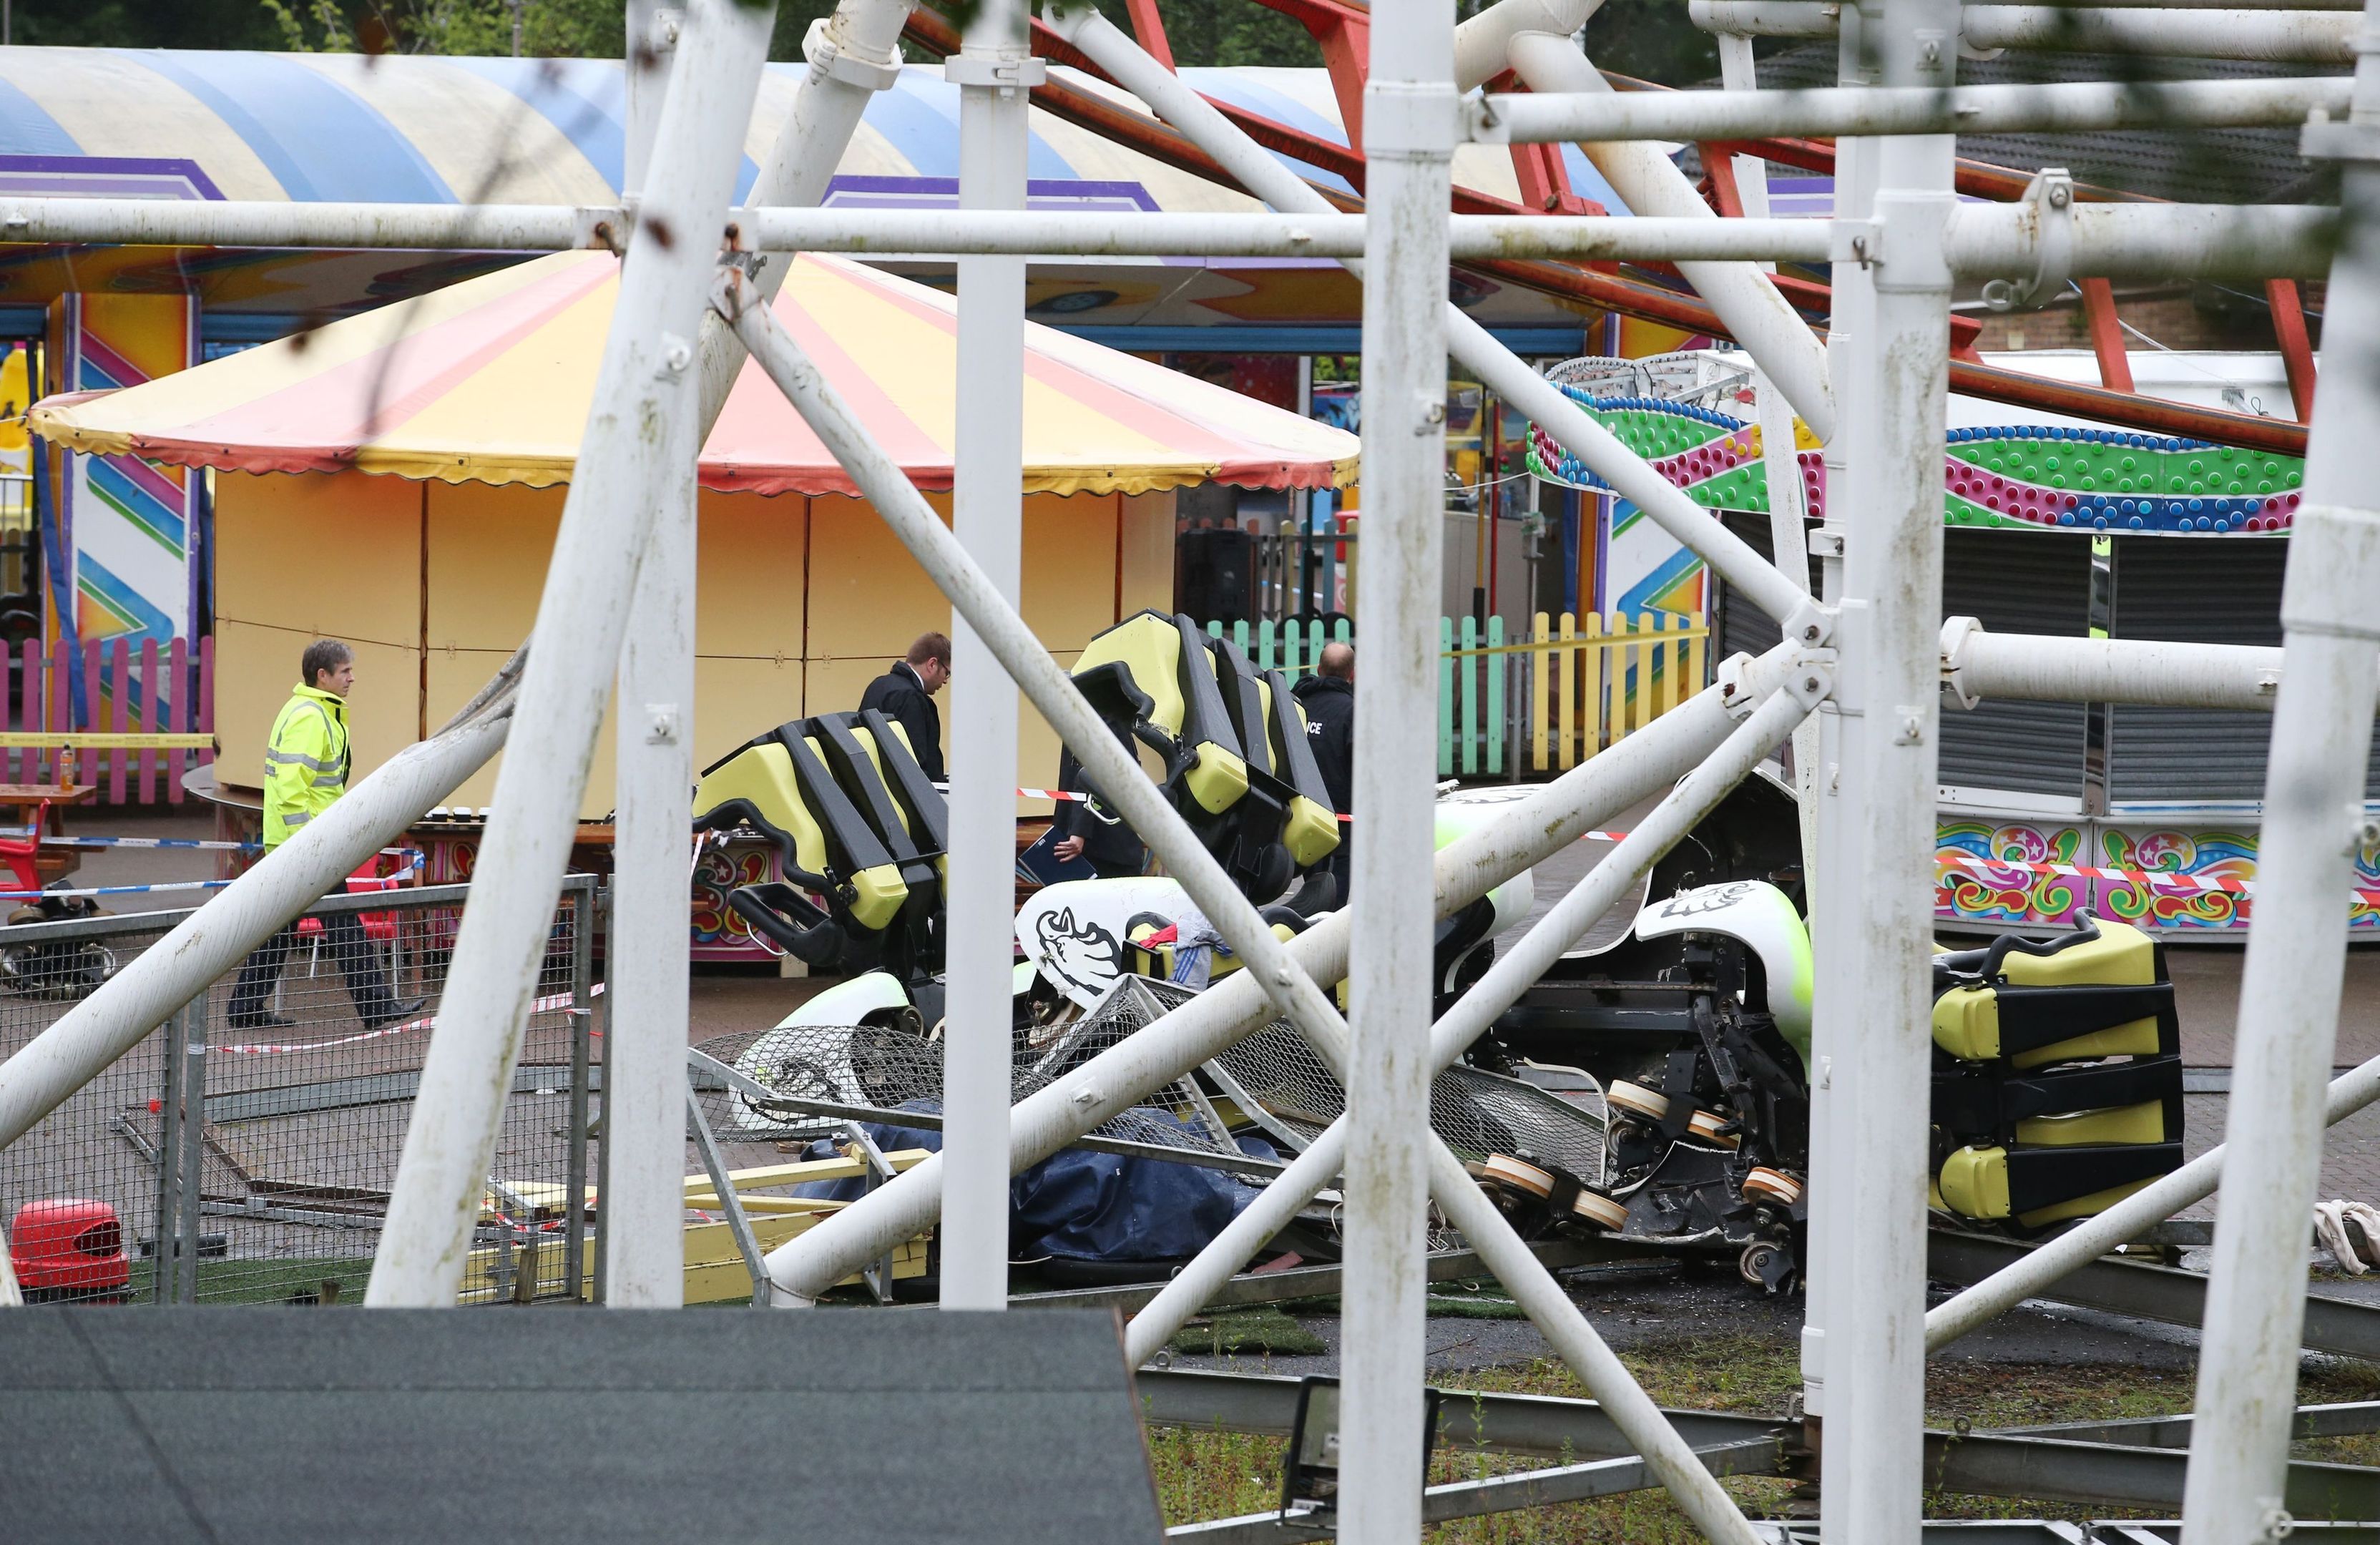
column 305, row 763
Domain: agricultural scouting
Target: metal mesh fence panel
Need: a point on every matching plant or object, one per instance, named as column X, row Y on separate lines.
column 873, row 1070
column 300, row 1069
column 1271, row 1078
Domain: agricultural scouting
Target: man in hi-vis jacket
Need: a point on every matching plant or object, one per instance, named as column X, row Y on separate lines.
column 305, row 771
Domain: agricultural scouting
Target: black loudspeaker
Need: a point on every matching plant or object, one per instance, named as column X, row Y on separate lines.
column 1212, row 572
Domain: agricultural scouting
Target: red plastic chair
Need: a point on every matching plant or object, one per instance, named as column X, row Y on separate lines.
column 20, row 856
column 380, row 927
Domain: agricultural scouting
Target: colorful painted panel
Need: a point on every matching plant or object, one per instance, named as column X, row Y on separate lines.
column 124, row 552
column 2014, row 475
column 2171, row 880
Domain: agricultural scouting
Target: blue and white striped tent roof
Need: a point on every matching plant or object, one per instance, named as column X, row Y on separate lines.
column 429, row 129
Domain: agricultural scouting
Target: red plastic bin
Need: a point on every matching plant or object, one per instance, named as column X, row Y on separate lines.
column 68, row 1249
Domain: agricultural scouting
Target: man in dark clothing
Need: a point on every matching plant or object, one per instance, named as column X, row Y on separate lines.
column 1328, row 699
column 905, row 695
column 1089, row 829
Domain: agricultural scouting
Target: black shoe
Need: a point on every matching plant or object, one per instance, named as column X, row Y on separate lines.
column 261, row 1022
column 403, row 1009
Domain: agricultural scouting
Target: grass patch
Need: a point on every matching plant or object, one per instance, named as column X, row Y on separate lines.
column 1210, row 1475
column 1261, row 1330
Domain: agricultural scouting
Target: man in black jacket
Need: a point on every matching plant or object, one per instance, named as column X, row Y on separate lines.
column 1328, row 699
column 905, row 695
column 1087, row 830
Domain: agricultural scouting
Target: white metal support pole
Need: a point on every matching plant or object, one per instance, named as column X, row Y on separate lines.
column 994, row 70
column 2314, row 823
column 1410, row 129
column 1877, row 999
column 644, row 1059
column 1737, row 72
column 624, row 468
column 1789, row 539
column 1833, row 840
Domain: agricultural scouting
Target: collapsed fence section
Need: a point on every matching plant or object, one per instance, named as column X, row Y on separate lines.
column 244, row 1151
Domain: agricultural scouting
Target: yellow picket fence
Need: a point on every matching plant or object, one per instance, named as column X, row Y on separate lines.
column 1594, row 680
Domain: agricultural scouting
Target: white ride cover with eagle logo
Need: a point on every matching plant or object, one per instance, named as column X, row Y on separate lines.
column 1073, row 933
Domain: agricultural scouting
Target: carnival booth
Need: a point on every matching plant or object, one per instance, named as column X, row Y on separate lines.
column 396, row 479
column 2046, row 810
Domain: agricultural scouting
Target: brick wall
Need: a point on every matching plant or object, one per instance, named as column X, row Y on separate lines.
column 2197, row 317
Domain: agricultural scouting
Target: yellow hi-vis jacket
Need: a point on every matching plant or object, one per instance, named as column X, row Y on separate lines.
column 306, row 764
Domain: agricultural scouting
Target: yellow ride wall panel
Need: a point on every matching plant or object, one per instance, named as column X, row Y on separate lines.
column 454, row 675
column 489, row 548
column 750, row 575
column 1145, row 553
column 736, row 700
column 869, row 598
column 1070, row 570
column 323, row 555
column 801, row 602
column 255, row 668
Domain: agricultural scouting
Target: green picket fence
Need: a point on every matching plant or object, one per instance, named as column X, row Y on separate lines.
column 1539, row 702
column 1292, row 647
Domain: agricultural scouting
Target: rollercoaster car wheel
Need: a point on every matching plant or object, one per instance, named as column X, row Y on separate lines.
column 1636, row 1099
column 1705, row 1127
column 1758, row 1260
column 1519, row 1174
column 1771, row 1186
column 1594, row 1207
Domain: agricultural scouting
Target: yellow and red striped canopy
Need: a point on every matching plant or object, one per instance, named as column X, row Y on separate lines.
column 490, row 381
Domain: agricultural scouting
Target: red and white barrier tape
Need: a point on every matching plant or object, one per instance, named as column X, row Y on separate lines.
column 546, row 1005
column 1079, row 798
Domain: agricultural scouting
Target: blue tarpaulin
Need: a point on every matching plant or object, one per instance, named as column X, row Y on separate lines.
column 1077, row 1205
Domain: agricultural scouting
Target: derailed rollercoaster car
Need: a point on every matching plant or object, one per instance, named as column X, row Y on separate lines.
column 1657, row 1087
column 2056, row 1083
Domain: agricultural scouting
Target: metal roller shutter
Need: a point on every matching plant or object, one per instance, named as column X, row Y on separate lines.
column 2215, row 590
column 2011, row 581
column 1740, row 627
column 2017, row 582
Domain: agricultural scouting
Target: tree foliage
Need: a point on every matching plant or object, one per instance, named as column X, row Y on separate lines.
column 1648, row 38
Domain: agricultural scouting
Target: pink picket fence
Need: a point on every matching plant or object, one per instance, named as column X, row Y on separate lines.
column 110, row 688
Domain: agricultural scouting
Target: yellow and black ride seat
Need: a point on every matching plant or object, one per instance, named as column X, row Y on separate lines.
column 860, row 830
column 1285, row 825
column 2058, row 1075
column 1231, row 740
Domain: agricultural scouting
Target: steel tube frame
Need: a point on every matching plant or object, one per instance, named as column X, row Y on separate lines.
column 987, row 519
column 1746, row 300
column 1409, row 129
column 624, row 473
column 881, row 481
column 1875, row 986
column 1829, row 113
column 1978, row 665
column 2314, row 823
column 1615, row 877
column 2119, row 241
column 645, row 1099
column 1501, row 370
